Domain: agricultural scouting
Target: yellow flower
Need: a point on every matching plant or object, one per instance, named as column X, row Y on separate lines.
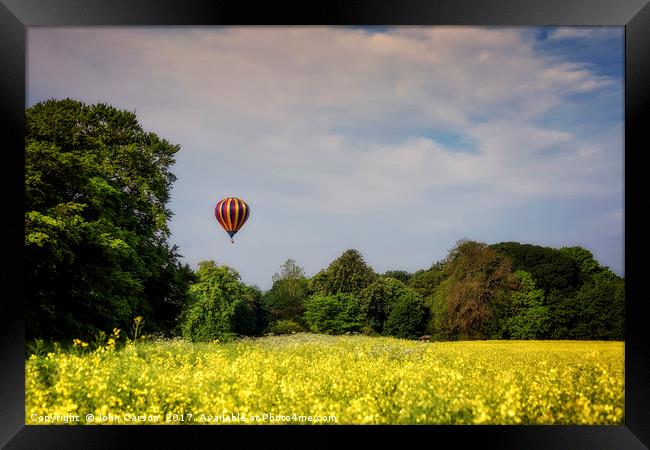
column 357, row 379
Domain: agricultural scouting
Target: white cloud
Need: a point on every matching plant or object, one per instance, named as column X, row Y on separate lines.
column 593, row 33
column 575, row 77
column 341, row 121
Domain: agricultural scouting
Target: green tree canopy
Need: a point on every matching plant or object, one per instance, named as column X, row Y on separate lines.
column 254, row 319
column 220, row 305
column 289, row 271
column 401, row 275
column 96, row 189
column 425, row 282
column 333, row 314
column 348, row 274
column 550, row 268
column 378, row 299
column 286, row 298
column 587, row 264
column 601, row 308
column 478, row 281
column 529, row 317
column 406, row 317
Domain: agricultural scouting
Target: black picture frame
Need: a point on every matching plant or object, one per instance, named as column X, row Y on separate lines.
column 634, row 15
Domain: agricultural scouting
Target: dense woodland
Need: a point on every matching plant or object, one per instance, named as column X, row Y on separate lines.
column 97, row 256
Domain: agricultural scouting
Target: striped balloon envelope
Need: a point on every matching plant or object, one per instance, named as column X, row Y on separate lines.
column 232, row 213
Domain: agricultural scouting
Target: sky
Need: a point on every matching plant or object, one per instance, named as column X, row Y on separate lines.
column 395, row 141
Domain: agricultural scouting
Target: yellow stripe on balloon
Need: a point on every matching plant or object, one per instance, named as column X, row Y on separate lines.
column 228, row 224
column 243, row 214
column 236, row 204
column 221, row 211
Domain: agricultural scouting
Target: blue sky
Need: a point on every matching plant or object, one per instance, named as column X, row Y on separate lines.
column 395, row 141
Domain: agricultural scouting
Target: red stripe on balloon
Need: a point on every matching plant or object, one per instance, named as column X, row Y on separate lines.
column 219, row 216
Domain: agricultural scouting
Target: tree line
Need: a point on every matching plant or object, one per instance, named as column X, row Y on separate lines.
column 97, row 255
column 502, row 291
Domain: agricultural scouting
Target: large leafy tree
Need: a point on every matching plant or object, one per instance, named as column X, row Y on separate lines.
column 477, row 285
column 96, row 189
column 584, row 300
column 425, row 282
column 597, row 309
column 348, row 274
column 378, row 299
column 600, row 306
column 406, row 317
column 400, row 275
column 529, row 317
column 333, row 314
column 584, row 258
column 258, row 321
column 220, row 305
column 550, row 268
column 286, row 298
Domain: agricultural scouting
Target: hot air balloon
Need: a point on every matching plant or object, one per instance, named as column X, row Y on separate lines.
column 231, row 213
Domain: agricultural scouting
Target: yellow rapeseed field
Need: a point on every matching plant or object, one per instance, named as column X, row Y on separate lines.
column 307, row 378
